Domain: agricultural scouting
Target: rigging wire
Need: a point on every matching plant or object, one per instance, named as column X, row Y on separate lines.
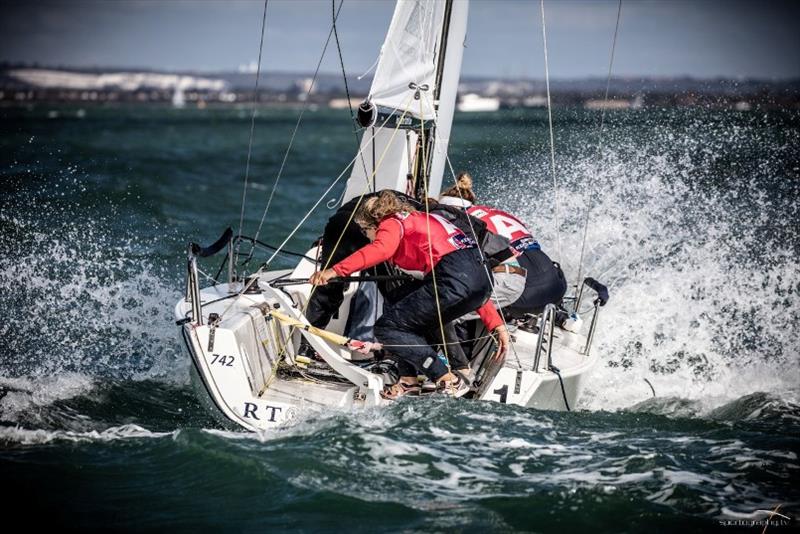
column 437, row 146
column 297, row 125
column 279, row 248
column 599, row 146
column 552, row 141
column 252, row 123
column 346, row 88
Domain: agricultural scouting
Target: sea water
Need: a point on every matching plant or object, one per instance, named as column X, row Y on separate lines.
column 690, row 422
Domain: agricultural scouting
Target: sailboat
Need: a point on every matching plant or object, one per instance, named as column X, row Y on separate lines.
column 244, row 335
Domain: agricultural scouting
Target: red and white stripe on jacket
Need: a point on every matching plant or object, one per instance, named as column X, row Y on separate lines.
column 504, row 224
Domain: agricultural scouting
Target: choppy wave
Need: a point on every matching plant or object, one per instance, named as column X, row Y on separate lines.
column 73, row 403
column 439, row 457
column 432, row 454
column 22, row 436
column 691, row 228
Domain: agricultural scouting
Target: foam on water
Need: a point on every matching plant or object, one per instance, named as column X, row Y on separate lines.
column 434, row 453
column 22, row 396
column 21, row 436
column 691, row 227
column 694, row 231
column 81, row 299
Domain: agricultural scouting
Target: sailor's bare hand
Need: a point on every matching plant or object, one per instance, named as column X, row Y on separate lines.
column 363, row 347
column 320, row 278
column 503, row 342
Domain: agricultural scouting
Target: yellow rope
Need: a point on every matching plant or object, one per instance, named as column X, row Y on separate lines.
column 430, row 242
column 483, row 259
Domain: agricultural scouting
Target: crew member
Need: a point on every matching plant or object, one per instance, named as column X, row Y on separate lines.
column 452, row 283
column 341, row 237
column 544, row 279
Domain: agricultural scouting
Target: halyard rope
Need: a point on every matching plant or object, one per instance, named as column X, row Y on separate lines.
column 599, row 145
column 552, row 142
column 252, row 125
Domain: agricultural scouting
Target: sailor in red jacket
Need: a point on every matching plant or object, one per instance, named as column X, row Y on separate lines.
column 421, row 244
column 544, row 281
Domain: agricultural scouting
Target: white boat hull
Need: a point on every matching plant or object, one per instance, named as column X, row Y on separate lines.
column 238, row 370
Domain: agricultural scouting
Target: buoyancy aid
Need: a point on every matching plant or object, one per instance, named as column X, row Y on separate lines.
column 495, row 247
column 403, row 239
column 416, row 251
column 506, row 225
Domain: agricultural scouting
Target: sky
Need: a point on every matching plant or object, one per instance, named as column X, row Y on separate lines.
column 667, row 38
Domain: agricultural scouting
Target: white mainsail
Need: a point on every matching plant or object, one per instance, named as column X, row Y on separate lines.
column 416, row 80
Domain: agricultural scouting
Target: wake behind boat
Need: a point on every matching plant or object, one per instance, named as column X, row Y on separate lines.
column 246, row 335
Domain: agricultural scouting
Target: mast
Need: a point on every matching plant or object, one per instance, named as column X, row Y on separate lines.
column 422, row 173
column 448, row 11
column 449, row 73
column 414, row 89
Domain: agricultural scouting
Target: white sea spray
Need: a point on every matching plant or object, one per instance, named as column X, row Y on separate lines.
column 697, row 245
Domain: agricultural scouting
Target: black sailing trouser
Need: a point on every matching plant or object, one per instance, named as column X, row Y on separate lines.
column 408, row 325
column 544, row 284
column 325, row 300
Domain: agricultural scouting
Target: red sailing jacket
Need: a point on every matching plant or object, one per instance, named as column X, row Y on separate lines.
column 403, row 240
column 506, row 225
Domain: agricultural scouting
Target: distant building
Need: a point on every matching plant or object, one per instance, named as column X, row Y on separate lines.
column 342, row 103
column 634, row 103
column 475, row 102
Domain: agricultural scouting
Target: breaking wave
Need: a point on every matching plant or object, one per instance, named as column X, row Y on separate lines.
column 81, row 298
column 693, row 227
column 86, row 303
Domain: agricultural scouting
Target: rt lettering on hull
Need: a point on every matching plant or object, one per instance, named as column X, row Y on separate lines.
column 265, row 413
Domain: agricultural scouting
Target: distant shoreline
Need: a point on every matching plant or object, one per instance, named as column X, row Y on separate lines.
column 20, row 84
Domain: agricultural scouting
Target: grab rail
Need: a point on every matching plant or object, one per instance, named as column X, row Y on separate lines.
column 546, row 327
column 601, row 300
column 192, row 280
column 592, row 327
column 193, row 288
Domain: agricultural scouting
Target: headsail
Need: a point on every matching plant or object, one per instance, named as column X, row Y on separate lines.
column 414, row 87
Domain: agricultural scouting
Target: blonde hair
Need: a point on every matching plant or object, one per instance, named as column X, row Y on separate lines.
column 375, row 209
column 462, row 189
